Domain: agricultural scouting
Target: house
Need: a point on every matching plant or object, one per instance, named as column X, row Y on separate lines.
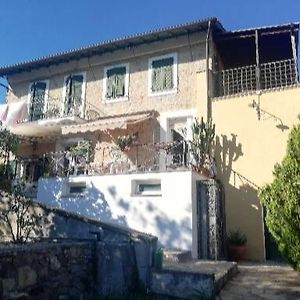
column 104, row 129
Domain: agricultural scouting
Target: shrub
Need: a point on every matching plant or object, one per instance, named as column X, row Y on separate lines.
column 281, row 200
column 236, row 238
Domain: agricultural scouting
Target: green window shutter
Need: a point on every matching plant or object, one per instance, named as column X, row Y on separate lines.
column 162, row 74
column 77, row 82
column 73, row 101
column 38, row 91
column 115, row 83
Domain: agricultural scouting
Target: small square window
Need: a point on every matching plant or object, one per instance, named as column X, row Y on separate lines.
column 115, row 83
column 149, row 187
column 77, row 188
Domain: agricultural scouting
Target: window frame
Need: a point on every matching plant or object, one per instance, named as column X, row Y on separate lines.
column 175, row 74
column 83, row 92
column 104, row 90
column 47, row 82
column 135, row 184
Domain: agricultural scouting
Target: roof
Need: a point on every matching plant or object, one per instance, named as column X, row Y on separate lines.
column 113, row 45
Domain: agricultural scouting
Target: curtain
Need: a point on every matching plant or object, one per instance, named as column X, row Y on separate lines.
column 162, row 74
column 115, row 83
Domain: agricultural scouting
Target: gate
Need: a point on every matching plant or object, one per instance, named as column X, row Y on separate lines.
column 211, row 220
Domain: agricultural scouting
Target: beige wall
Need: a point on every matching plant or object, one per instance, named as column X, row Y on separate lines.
column 247, row 149
column 191, row 62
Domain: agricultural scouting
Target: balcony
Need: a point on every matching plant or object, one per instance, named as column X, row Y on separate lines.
column 46, row 117
column 277, row 74
column 138, row 158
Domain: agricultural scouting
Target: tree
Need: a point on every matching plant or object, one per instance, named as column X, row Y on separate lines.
column 17, row 220
column 8, row 146
column 281, row 200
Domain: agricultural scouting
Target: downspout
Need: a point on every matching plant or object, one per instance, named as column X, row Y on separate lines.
column 209, row 112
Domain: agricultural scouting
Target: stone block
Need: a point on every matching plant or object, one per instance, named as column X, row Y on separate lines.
column 26, row 277
column 54, row 263
column 8, row 285
column 183, row 285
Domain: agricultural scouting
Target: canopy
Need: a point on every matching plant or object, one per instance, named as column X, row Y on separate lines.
column 108, row 123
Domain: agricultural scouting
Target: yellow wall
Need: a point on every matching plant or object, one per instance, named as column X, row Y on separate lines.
column 246, row 151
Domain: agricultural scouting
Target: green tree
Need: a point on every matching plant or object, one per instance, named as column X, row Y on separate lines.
column 8, row 146
column 281, row 200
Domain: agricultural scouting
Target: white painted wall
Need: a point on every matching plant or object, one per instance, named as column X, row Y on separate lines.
column 109, row 198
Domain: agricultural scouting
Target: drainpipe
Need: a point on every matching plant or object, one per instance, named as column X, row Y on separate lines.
column 209, row 112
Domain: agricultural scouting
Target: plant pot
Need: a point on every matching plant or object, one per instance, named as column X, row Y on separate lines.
column 201, row 170
column 237, row 253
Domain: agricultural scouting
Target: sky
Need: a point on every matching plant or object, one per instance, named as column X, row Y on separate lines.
column 34, row 28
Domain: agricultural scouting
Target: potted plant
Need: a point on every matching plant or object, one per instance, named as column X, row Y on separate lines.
column 236, row 245
column 124, row 142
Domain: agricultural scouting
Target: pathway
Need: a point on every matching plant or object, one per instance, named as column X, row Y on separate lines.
column 262, row 281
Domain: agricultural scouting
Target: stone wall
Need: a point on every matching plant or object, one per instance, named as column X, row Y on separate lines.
column 46, row 271
column 121, row 258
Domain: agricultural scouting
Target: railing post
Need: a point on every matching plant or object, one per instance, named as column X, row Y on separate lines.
column 257, row 60
column 294, row 51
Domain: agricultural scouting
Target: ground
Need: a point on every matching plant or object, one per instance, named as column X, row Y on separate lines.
column 263, row 281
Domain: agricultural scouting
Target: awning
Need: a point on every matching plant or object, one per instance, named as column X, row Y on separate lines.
column 108, row 123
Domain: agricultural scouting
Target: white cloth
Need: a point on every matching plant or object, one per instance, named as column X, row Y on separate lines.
column 16, row 112
column 3, row 112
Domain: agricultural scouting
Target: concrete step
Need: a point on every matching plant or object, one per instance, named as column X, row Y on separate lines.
column 199, row 278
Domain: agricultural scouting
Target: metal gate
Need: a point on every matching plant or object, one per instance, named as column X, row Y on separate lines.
column 211, row 220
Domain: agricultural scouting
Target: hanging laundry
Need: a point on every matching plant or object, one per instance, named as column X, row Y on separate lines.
column 3, row 112
column 17, row 112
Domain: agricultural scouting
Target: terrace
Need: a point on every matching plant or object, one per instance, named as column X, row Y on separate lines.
column 255, row 59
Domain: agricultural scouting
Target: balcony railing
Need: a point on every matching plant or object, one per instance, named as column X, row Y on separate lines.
column 139, row 158
column 244, row 79
column 40, row 109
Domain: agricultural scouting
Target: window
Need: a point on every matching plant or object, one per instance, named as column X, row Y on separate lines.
column 38, row 92
column 116, row 83
column 163, row 74
column 77, row 188
column 148, row 187
column 74, row 93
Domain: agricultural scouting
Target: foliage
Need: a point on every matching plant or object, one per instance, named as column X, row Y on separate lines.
column 82, row 149
column 15, row 215
column 236, row 238
column 203, row 136
column 8, row 146
column 281, row 200
column 124, row 141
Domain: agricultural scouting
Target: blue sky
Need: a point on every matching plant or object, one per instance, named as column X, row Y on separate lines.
column 34, row 28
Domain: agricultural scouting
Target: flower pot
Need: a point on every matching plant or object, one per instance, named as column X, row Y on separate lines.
column 202, row 170
column 237, row 253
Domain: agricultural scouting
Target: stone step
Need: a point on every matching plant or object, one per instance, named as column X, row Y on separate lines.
column 201, row 279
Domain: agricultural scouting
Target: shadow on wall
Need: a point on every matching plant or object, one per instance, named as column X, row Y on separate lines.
column 93, row 204
column 139, row 213
column 243, row 209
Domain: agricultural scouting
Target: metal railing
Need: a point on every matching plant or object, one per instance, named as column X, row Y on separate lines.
column 40, row 109
column 139, row 158
column 243, row 79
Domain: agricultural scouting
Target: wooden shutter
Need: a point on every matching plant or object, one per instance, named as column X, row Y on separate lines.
column 38, row 91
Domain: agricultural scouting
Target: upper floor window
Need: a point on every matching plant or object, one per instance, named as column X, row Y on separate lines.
column 115, row 82
column 74, row 94
column 38, row 94
column 163, row 74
